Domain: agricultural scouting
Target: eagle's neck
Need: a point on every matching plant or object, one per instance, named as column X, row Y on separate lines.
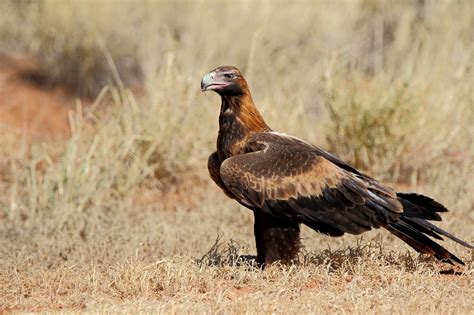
column 238, row 119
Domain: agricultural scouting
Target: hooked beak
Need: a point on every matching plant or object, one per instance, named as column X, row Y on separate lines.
column 209, row 82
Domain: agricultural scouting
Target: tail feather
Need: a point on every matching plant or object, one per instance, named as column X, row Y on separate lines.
column 414, row 229
column 421, row 243
column 434, row 231
column 419, row 206
column 420, row 225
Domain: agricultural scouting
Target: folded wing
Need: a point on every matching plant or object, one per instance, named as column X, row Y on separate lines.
column 289, row 178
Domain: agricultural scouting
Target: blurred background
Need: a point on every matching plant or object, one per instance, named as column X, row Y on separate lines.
column 105, row 133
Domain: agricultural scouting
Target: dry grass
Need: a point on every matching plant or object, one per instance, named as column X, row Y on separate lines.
column 150, row 259
column 118, row 217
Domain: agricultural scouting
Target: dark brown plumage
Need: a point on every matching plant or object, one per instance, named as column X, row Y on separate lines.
column 286, row 181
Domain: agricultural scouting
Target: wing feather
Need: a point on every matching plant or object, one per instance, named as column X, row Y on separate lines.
column 286, row 177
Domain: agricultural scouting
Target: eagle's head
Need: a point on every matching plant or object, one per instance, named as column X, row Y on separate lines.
column 225, row 80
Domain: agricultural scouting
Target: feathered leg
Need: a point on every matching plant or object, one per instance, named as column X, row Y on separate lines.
column 276, row 239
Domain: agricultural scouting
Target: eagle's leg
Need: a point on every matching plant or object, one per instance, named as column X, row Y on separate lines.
column 276, row 239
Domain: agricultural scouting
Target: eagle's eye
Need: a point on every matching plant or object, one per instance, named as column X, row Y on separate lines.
column 229, row 76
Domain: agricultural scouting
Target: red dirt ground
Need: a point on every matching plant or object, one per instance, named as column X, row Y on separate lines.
column 27, row 105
